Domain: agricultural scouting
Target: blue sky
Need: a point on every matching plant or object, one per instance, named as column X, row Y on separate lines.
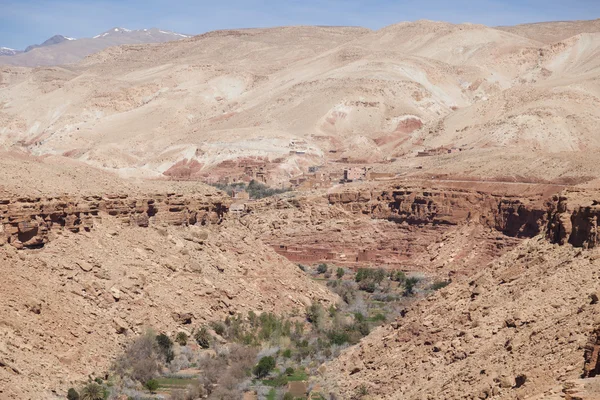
column 24, row 22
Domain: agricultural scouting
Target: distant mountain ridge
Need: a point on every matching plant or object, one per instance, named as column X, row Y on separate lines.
column 56, row 39
column 60, row 49
column 7, row 51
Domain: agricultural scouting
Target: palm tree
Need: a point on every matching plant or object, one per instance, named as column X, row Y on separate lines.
column 92, row 391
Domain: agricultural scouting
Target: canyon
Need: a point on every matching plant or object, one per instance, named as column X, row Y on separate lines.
column 453, row 153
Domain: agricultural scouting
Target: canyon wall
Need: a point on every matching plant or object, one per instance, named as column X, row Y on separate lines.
column 512, row 215
column 573, row 218
column 27, row 221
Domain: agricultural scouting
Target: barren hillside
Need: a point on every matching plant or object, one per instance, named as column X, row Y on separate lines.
column 552, row 32
column 106, row 261
column 523, row 327
column 340, row 92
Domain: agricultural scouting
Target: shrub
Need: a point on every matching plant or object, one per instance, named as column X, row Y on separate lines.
column 340, row 273
column 252, row 317
column 203, row 338
column 338, row 338
column 361, row 327
column 92, row 391
column 213, row 370
column 181, row 338
column 72, row 394
column 302, row 267
column 362, row 390
column 314, row 314
column 368, row 286
column 346, row 291
column 140, row 360
column 152, row 385
column 289, row 371
column 439, row 285
column 332, row 311
column 99, row 381
column 287, row 353
column 288, row 396
column 379, row 318
column 322, row 268
column 359, row 317
column 165, row 345
column 264, row 367
column 398, row 276
column 369, row 279
column 258, row 191
column 219, row 328
column 409, row 286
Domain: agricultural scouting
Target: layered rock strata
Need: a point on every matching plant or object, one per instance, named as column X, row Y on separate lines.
column 511, row 215
column 27, row 222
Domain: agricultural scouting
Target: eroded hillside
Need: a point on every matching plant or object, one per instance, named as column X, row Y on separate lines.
column 516, row 329
column 290, row 98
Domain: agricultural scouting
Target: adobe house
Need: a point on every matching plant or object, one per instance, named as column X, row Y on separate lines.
column 355, row 173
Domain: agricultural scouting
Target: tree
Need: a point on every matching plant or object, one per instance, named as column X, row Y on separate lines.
column 92, row 391
column 72, row 394
column 264, row 367
column 152, row 385
column 203, row 338
column 340, row 272
column 181, row 338
column 322, row 268
column 141, row 360
column 165, row 344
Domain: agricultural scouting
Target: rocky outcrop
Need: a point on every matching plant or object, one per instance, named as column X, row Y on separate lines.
column 27, row 222
column 513, row 216
column 515, row 329
column 573, row 218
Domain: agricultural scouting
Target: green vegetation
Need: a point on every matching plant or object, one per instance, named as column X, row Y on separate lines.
column 165, row 345
column 72, row 394
column 92, row 391
column 272, row 394
column 181, row 338
column 409, row 286
column 152, row 385
column 321, row 268
column 218, row 327
column 203, row 338
column 263, row 352
column 264, row 367
column 398, row 276
column 255, row 189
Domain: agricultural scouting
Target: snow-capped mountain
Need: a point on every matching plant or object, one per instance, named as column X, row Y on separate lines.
column 153, row 32
column 56, row 39
column 6, row 51
column 61, row 49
